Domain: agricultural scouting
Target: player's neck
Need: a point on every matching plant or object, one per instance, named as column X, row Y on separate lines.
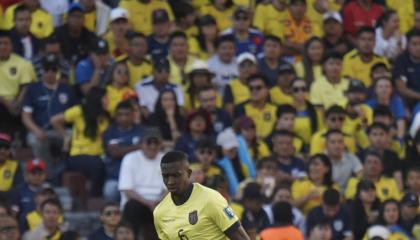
column 181, row 198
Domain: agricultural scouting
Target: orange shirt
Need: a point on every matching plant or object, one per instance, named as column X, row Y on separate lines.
column 281, row 233
column 298, row 32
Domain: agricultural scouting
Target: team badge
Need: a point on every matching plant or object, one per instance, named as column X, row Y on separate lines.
column 40, row 24
column 267, row 117
column 385, row 191
column 63, row 98
column 193, row 217
column 7, row 174
column 13, row 71
column 228, row 212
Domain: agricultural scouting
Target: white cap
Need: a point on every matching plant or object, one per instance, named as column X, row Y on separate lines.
column 334, row 15
column 199, row 65
column 246, row 56
column 378, row 231
column 118, row 13
column 227, row 139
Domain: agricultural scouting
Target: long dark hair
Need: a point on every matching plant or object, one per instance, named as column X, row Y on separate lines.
column 161, row 120
column 326, row 161
column 381, row 217
column 310, row 109
column 307, row 62
column 93, row 111
column 385, row 17
column 110, row 77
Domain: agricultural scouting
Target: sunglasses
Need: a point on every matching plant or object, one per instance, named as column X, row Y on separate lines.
column 205, row 151
column 256, row 88
column 335, row 119
column 299, row 89
column 112, row 212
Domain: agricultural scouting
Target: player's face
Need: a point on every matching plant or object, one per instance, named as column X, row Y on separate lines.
column 176, row 176
column 138, row 47
column 50, row 215
column 23, row 21
column 366, row 42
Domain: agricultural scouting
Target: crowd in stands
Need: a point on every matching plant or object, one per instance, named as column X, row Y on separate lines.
column 303, row 114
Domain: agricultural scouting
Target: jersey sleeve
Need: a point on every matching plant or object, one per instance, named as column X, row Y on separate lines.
column 28, row 103
column 73, row 113
column 125, row 182
column 157, row 218
column 28, row 73
column 220, row 212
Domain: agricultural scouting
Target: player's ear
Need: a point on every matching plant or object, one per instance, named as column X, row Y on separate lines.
column 189, row 171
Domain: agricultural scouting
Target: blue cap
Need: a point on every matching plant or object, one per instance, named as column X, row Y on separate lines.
column 75, row 7
column 410, row 199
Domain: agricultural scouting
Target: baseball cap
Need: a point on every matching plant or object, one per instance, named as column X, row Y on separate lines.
column 160, row 16
column 334, row 16
column 118, row 13
column 100, row 47
column 75, row 7
column 50, row 61
column 161, row 63
column 356, row 86
column 227, row 139
column 410, row 200
column 285, row 68
column 378, row 231
column 5, row 139
column 36, row 164
column 246, row 56
column 151, row 132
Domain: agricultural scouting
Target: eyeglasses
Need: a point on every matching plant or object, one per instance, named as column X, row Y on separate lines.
column 152, row 141
column 256, row 88
column 335, row 119
column 206, row 151
column 112, row 212
column 299, row 89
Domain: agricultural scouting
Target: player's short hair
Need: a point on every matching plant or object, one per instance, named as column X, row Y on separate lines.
column 377, row 125
column 19, row 9
column 125, row 105
column 331, row 197
column 334, row 109
column 293, row 2
column 256, row 77
column 285, row 109
column 366, row 29
column 377, row 66
column 131, row 35
column 282, row 213
column 320, row 222
column 109, row 204
column 262, row 162
column 224, row 38
column 332, row 55
column 273, row 38
column 46, row 191
column 332, row 132
column 177, row 34
column 216, row 181
column 174, row 156
column 412, row 33
column 374, row 153
column 51, row 201
column 5, row 34
column 283, row 133
column 382, row 111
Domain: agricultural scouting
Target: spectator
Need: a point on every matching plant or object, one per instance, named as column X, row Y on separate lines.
column 144, row 9
column 10, row 170
column 379, row 70
column 413, row 179
column 9, row 228
column 75, row 40
column 247, row 39
column 198, row 125
column 220, row 118
column 306, row 116
column 42, row 24
column 24, row 43
column 116, row 36
column 359, row 114
column 117, row 86
column 186, row 17
column 267, row 16
column 121, row 138
column 124, row 231
column 167, row 117
column 141, row 183
column 364, row 208
column 335, row 40
column 291, row 168
column 34, row 218
column 358, row 63
column 97, row 16
column 222, row 11
column 17, row 72
column 89, row 121
column 330, row 89
column 281, row 92
column 310, row 68
column 320, row 230
column 262, row 112
column 386, row 187
column 203, row 45
column 50, row 228
column 110, row 218
column 223, row 63
column 245, row 127
column 283, row 224
column 23, row 196
column 43, row 100
column 405, row 80
column 139, row 67
column 180, row 61
column 360, row 13
column 236, row 91
column 205, row 155
column 271, row 61
column 307, row 191
column 268, row 178
column 409, row 216
column 344, row 163
column 158, row 41
column 94, row 70
column 254, row 214
column 390, row 217
column 390, row 42
column 338, row 215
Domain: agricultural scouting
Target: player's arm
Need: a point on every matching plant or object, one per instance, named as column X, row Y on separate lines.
column 236, row 232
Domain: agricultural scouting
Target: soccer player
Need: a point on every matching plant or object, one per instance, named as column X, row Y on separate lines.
column 192, row 211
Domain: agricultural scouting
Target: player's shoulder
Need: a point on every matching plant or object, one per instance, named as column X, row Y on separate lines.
column 163, row 205
column 206, row 192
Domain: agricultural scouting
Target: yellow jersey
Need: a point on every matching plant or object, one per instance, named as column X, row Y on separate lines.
column 141, row 13
column 298, row 33
column 300, row 71
column 34, row 219
column 405, row 12
column 90, row 21
column 80, row 143
column 318, row 142
column 262, row 150
column 115, row 96
column 240, row 91
column 264, row 119
column 195, row 49
column 278, row 97
column 190, row 105
column 116, row 50
column 302, row 187
column 355, row 68
column 14, row 72
column 138, row 72
column 268, row 19
column 386, row 188
column 206, row 215
column 42, row 24
column 177, row 75
column 324, row 93
column 8, row 171
column 302, row 128
column 223, row 18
